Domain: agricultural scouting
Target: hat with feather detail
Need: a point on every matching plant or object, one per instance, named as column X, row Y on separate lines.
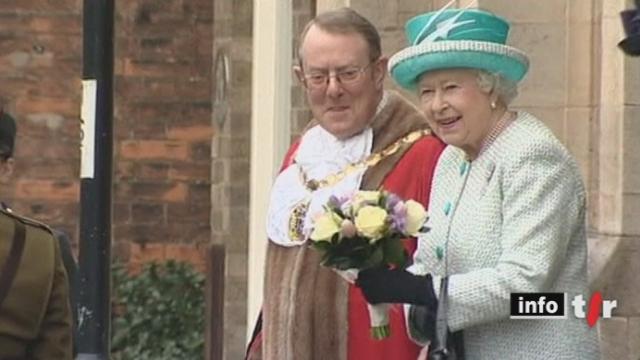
column 457, row 38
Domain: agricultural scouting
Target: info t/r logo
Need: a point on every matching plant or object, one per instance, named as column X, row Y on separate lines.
column 553, row 306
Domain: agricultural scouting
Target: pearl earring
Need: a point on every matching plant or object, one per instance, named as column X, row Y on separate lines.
column 493, row 105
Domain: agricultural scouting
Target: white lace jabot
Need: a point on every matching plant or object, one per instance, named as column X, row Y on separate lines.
column 320, row 154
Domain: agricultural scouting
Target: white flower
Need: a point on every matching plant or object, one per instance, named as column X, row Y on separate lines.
column 348, row 229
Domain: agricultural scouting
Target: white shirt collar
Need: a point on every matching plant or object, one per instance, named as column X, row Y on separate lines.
column 319, row 155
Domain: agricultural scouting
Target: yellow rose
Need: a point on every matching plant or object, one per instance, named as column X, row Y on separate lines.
column 325, row 226
column 416, row 216
column 371, row 222
column 372, row 196
column 362, row 198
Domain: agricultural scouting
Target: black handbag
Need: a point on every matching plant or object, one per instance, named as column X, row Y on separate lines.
column 445, row 345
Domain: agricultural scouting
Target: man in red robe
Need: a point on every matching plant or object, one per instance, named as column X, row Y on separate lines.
column 362, row 137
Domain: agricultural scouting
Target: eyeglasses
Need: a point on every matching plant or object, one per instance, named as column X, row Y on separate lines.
column 316, row 80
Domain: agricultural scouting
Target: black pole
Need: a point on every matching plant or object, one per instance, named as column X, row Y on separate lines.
column 96, row 174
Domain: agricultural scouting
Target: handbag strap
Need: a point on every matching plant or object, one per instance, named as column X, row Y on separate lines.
column 440, row 350
column 10, row 266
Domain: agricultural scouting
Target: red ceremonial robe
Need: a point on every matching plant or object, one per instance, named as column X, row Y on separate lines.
column 303, row 315
column 410, row 179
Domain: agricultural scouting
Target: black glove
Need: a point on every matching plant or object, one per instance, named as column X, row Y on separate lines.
column 423, row 320
column 383, row 285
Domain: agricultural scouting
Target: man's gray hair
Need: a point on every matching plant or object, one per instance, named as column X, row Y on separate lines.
column 506, row 89
column 345, row 21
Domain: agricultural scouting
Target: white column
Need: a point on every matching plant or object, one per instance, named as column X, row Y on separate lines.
column 270, row 128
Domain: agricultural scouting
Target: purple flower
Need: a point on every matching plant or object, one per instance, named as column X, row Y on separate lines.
column 398, row 216
column 399, row 209
column 392, row 201
column 398, row 223
column 335, row 202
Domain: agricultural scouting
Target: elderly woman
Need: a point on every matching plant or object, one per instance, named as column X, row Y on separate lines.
column 507, row 207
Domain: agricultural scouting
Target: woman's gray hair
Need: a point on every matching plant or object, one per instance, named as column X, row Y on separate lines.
column 506, row 89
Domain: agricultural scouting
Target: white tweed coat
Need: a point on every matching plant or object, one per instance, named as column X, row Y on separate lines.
column 512, row 220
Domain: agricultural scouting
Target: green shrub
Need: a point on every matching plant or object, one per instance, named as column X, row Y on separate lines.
column 159, row 313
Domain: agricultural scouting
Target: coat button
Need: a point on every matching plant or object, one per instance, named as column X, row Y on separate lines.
column 463, row 168
column 439, row 252
column 447, row 208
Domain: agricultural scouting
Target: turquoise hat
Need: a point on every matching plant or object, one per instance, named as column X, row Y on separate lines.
column 457, row 38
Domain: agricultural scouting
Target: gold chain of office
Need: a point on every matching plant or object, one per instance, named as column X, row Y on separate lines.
column 296, row 221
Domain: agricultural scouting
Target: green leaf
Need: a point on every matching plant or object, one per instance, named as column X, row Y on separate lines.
column 322, row 246
column 164, row 314
column 376, row 258
column 394, row 252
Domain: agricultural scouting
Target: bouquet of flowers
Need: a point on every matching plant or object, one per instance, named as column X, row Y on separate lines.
column 363, row 231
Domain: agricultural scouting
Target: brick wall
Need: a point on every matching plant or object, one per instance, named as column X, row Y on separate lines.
column 162, row 127
column 40, row 71
column 162, row 118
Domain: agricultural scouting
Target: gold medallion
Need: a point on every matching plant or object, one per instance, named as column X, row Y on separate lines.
column 299, row 211
column 296, row 220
